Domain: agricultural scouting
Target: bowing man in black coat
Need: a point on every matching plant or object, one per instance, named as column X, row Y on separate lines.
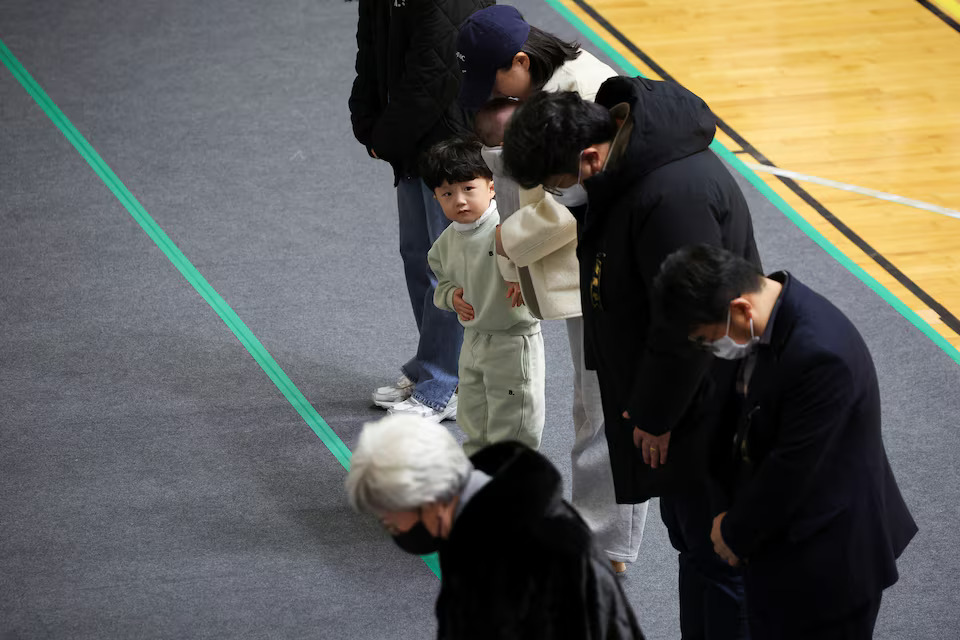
column 636, row 171
column 517, row 562
column 817, row 519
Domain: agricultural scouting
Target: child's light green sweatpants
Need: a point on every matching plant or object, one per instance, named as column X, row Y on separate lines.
column 501, row 393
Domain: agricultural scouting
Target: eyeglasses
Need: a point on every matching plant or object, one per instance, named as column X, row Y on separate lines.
column 701, row 344
column 557, row 191
column 393, row 529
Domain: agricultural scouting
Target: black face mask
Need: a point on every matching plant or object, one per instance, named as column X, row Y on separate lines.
column 418, row 539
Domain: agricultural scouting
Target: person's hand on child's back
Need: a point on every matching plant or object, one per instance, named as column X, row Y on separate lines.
column 463, row 309
column 513, row 291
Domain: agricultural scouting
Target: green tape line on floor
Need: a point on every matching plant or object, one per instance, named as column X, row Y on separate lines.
column 186, row 268
column 180, row 261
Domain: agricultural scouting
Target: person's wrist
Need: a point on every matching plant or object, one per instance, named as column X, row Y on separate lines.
column 725, row 533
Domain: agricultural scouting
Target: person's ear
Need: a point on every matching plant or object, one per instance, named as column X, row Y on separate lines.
column 493, row 188
column 441, row 515
column 523, row 60
column 592, row 162
column 741, row 311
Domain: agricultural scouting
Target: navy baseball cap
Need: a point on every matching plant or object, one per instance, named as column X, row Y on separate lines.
column 488, row 40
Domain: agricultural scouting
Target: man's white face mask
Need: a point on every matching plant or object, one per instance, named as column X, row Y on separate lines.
column 573, row 196
column 727, row 349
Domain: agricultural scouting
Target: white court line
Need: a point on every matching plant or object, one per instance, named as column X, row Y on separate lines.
column 881, row 195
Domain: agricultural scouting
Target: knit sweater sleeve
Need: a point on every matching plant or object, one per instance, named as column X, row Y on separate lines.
column 438, row 254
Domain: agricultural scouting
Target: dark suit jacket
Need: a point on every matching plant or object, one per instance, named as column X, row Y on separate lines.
column 816, row 511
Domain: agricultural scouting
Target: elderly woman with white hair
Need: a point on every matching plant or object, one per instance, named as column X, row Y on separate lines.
column 488, row 516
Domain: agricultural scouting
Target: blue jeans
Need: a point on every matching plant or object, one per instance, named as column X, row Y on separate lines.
column 434, row 368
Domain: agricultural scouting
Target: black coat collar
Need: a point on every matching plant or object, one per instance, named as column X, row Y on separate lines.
column 524, row 487
column 786, row 312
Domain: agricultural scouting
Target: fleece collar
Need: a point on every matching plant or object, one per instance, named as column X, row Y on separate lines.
column 523, row 488
column 464, row 227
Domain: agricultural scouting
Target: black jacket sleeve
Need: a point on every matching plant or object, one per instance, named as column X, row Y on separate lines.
column 671, row 371
column 428, row 82
column 364, row 100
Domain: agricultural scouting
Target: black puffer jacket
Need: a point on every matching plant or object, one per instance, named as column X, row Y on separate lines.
column 521, row 564
column 404, row 97
column 662, row 189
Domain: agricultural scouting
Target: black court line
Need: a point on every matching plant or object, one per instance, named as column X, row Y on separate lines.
column 935, row 10
column 946, row 316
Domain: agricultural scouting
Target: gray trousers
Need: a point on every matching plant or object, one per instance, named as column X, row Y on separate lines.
column 617, row 527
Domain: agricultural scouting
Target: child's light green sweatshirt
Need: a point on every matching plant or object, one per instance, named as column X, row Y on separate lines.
column 468, row 259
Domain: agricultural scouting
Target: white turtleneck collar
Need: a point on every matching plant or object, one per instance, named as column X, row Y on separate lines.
column 470, row 226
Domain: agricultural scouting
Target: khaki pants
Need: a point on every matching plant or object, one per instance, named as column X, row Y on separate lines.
column 501, row 393
column 617, row 527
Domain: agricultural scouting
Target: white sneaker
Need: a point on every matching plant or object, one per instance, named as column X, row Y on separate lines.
column 414, row 407
column 386, row 397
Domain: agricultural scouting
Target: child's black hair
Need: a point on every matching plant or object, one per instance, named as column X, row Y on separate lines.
column 453, row 160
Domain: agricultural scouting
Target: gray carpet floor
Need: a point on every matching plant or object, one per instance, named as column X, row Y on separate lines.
column 155, row 483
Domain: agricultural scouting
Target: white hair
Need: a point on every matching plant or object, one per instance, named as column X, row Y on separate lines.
column 402, row 462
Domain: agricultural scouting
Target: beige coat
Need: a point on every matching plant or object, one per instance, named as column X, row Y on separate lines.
column 541, row 236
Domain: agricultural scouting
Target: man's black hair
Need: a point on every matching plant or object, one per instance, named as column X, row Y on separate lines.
column 453, row 160
column 547, row 53
column 696, row 284
column 547, row 133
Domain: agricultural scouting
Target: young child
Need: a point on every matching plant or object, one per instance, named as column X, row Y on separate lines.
column 501, row 362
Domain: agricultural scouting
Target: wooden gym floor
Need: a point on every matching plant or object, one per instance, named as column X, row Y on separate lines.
column 865, row 93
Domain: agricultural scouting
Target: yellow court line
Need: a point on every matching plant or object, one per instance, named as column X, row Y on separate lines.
column 805, row 210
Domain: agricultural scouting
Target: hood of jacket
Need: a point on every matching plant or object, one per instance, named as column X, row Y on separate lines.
column 665, row 123
column 524, row 487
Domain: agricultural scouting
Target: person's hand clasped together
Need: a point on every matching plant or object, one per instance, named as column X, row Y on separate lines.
column 461, row 306
column 653, row 448
column 716, row 537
